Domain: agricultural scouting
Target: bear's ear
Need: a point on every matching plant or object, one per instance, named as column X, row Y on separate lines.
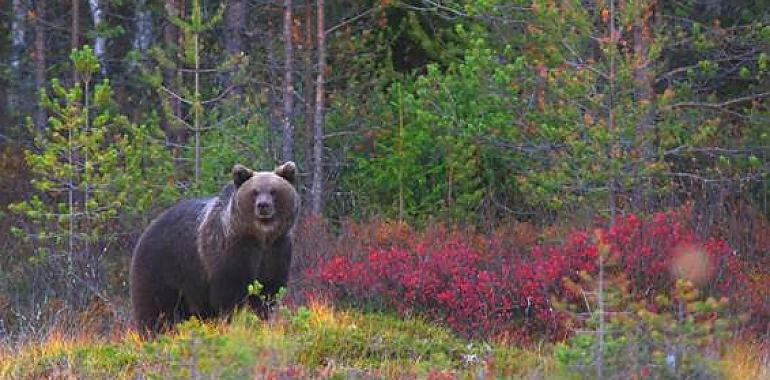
column 241, row 174
column 288, row 171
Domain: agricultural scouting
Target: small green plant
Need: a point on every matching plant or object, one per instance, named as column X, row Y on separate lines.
column 255, row 289
column 676, row 335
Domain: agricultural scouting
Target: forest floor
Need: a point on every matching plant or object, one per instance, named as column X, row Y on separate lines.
column 317, row 341
column 309, row 342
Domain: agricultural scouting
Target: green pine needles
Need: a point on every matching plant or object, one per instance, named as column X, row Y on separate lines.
column 92, row 170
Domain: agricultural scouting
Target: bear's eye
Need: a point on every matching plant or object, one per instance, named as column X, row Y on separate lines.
column 272, row 192
column 255, row 192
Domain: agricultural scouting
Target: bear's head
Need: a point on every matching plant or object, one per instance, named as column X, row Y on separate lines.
column 265, row 204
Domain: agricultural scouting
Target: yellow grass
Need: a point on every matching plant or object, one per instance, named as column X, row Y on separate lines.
column 749, row 361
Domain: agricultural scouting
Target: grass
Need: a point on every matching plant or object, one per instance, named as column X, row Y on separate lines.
column 318, row 342
column 310, row 342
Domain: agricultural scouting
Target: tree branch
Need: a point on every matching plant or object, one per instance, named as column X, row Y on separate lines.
column 350, row 20
column 175, row 95
column 718, row 106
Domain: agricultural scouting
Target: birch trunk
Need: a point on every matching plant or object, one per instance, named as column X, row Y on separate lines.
column 40, row 117
column 644, row 76
column 644, row 92
column 18, row 45
column 143, row 24
column 307, row 85
column 171, row 38
column 75, row 34
column 316, row 190
column 288, row 88
column 235, row 24
column 100, row 42
column 275, row 111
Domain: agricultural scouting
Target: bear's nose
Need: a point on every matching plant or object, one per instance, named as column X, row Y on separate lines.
column 263, row 207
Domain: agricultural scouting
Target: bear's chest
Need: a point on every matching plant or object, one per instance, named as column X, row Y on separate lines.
column 242, row 260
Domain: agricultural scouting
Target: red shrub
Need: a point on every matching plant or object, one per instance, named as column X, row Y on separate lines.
column 649, row 251
column 440, row 275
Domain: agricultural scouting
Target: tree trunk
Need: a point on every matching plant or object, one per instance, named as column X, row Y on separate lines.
column 288, row 88
column 644, row 77
column 274, row 111
column 100, row 42
column 18, row 45
column 235, row 24
column 171, row 39
column 143, row 24
column 75, row 35
column 318, row 132
column 197, row 106
column 40, row 117
column 307, row 86
column 644, row 94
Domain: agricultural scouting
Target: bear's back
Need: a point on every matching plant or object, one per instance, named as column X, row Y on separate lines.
column 168, row 247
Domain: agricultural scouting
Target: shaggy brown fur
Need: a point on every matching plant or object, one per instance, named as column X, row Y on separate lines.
column 199, row 256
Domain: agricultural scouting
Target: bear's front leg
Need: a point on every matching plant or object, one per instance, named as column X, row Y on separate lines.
column 258, row 305
column 227, row 293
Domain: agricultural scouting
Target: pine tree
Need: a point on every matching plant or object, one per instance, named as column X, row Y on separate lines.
column 191, row 29
column 92, row 169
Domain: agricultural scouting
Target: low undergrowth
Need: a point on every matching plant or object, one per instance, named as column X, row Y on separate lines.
column 307, row 342
column 383, row 300
column 489, row 287
column 321, row 342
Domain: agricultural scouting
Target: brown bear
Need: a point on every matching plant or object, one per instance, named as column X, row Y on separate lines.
column 198, row 257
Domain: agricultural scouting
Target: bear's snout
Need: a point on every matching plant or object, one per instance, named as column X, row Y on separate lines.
column 264, row 209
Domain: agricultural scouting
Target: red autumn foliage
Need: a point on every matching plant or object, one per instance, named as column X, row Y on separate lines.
column 482, row 287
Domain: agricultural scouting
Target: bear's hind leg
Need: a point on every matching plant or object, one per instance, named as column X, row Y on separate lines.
column 157, row 310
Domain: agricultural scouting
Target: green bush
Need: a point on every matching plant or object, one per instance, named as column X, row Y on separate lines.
column 677, row 336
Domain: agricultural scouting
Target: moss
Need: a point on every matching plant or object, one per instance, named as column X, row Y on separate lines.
column 307, row 342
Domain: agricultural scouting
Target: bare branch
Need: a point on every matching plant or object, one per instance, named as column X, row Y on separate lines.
column 181, row 121
column 715, row 150
column 721, row 106
column 219, row 97
column 750, row 177
column 679, row 70
column 350, row 20
column 434, row 6
column 176, row 96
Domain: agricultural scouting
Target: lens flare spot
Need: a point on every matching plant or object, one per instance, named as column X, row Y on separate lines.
column 692, row 263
